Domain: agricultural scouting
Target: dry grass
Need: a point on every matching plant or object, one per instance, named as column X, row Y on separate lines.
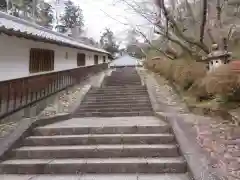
column 183, row 73
column 192, row 77
column 204, row 93
column 224, row 83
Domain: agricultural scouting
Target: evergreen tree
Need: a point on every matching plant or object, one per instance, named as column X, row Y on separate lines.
column 108, row 42
column 3, row 5
column 72, row 16
column 45, row 14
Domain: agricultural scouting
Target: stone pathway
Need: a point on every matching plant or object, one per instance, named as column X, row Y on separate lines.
column 95, row 177
column 128, row 147
column 132, row 145
column 219, row 139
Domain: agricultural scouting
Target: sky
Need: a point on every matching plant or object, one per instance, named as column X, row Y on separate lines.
column 113, row 14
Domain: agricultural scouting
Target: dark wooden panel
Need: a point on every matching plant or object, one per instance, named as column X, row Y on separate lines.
column 19, row 93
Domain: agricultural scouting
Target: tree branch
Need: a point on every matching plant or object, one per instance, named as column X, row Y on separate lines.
column 211, row 36
column 159, row 50
column 204, row 19
column 162, row 6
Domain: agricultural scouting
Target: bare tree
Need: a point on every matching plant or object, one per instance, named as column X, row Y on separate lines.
column 191, row 25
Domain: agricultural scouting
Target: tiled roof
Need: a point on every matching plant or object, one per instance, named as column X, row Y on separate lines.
column 16, row 26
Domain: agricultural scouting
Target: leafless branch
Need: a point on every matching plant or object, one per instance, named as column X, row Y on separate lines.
column 168, row 17
column 159, row 50
column 204, row 19
column 209, row 31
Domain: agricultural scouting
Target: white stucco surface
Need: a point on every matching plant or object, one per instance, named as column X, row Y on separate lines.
column 15, row 52
column 12, row 23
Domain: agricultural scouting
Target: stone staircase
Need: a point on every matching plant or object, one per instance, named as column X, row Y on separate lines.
column 123, row 77
column 82, row 146
column 121, row 95
column 98, row 145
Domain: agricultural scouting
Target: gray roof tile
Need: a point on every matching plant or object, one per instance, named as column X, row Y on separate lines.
column 14, row 24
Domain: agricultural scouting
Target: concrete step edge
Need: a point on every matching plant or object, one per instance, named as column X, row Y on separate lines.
column 105, row 130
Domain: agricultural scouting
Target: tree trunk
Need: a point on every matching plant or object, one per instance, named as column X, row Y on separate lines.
column 204, row 19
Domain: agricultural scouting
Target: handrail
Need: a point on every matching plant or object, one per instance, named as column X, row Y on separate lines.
column 19, row 93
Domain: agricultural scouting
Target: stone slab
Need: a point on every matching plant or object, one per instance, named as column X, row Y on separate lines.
column 98, row 177
column 95, row 165
column 17, row 177
column 108, row 122
column 90, row 139
column 102, row 130
column 96, row 151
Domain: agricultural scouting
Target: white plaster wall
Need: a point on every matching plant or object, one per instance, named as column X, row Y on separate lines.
column 14, row 56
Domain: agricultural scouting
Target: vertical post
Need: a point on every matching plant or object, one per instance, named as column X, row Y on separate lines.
column 1, row 100
column 8, row 96
column 225, row 47
column 26, row 92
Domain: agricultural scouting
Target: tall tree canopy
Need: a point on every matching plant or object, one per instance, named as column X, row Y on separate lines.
column 108, row 42
column 44, row 13
column 73, row 16
column 37, row 10
column 3, row 5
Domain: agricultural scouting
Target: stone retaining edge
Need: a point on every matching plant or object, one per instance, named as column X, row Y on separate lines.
column 199, row 167
column 26, row 126
column 23, row 130
column 198, row 162
column 74, row 107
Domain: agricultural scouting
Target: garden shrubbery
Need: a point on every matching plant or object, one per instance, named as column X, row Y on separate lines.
column 192, row 77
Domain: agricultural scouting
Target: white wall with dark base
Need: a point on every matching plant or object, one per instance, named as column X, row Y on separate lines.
column 15, row 52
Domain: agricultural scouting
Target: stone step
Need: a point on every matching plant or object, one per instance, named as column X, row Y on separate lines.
column 123, row 79
column 124, row 74
column 104, row 93
column 96, row 151
column 121, row 75
column 120, row 109
column 118, row 77
column 119, row 84
column 113, row 114
column 138, row 98
column 109, row 103
column 127, row 87
column 47, row 131
column 129, row 176
column 120, row 101
column 119, row 90
column 114, row 106
column 79, row 166
column 92, row 139
column 125, row 96
column 122, row 82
